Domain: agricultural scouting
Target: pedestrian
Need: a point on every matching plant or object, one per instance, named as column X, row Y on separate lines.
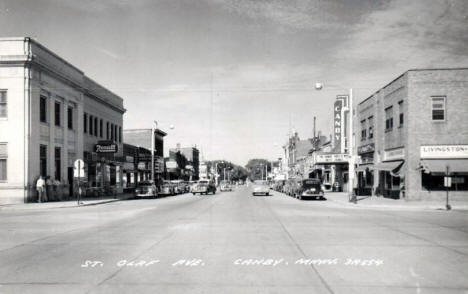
column 40, row 185
column 49, row 189
column 57, row 192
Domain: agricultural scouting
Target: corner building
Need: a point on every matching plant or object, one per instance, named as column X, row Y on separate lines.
column 51, row 114
column 410, row 132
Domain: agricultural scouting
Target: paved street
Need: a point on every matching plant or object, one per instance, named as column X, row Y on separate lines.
column 232, row 242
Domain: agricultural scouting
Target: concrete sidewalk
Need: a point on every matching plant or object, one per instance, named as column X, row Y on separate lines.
column 341, row 198
column 66, row 204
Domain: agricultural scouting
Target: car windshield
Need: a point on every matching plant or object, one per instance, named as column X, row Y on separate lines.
column 260, row 183
column 311, row 183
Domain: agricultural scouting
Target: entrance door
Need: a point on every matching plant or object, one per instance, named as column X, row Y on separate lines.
column 70, row 182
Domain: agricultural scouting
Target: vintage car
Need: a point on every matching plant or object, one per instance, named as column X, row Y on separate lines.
column 167, row 189
column 260, row 188
column 309, row 188
column 204, row 187
column 225, row 186
column 146, row 189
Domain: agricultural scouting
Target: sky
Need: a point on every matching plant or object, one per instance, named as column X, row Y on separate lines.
column 235, row 77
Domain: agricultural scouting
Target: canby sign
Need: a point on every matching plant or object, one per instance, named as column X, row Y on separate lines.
column 444, row 151
column 337, row 124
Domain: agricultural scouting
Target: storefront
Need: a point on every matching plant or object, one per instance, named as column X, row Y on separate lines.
column 104, row 170
column 365, row 171
column 439, row 161
column 391, row 174
column 333, row 170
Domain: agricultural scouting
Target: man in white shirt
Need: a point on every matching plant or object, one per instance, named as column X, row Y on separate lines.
column 40, row 186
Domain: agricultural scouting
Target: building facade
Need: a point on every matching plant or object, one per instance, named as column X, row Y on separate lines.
column 192, row 155
column 140, row 139
column 43, row 102
column 411, row 131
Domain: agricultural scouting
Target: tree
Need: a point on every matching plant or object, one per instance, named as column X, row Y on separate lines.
column 256, row 168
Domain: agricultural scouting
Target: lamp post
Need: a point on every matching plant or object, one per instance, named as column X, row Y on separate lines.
column 153, row 130
column 351, row 159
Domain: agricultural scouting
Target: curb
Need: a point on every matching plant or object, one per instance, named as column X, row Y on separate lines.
column 8, row 207
column 394, row 207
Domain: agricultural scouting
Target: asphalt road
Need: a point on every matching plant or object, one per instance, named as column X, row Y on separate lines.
column 232, row 242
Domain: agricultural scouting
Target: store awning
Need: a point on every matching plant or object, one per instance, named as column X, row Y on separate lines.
column 391, row 166
column 440, row 165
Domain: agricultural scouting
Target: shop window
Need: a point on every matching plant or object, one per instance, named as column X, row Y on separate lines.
column 43, row 160
column 401, row 117
column 58, row 163
column 3, row 104
column 438, row 108
column 43, row 109
column 85, row 123
column 3, row 161
column 70, row 118
column 432, row 182
column 389, row 118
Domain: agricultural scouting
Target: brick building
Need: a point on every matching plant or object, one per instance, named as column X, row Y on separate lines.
column 411, row 131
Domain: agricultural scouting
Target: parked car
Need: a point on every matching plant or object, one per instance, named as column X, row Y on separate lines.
column 260, row 188
column 146, row 189
column 167, row 189
column 204, row 187
column 309, row 188
column 291, row 186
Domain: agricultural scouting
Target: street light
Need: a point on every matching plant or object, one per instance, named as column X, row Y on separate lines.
column 351, row 197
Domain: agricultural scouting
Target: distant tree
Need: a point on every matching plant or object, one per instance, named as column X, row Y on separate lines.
column 256, row 168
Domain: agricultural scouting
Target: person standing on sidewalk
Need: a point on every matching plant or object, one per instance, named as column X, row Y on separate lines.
column 40, row 186
column 49, row 189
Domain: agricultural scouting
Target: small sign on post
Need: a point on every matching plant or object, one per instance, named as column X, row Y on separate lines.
column 447, row 184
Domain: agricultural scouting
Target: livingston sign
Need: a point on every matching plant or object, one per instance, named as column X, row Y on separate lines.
column 444, row 151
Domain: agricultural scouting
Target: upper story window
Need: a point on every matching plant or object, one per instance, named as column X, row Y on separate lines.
column 401, row 117
column 70, row 117
column 43, row 109
column 91, row 120
column 3, row 104
column 107, row 131
column 370, row 122
column 388, row 118
column 57, row 114
column 100, row 128
column 363, row 130
column 95, row 126
column 438, row 108
column 85, row 123
column 120, row 134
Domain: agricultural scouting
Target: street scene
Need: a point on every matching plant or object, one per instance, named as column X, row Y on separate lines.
column 233, row 242
column 233, row 146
